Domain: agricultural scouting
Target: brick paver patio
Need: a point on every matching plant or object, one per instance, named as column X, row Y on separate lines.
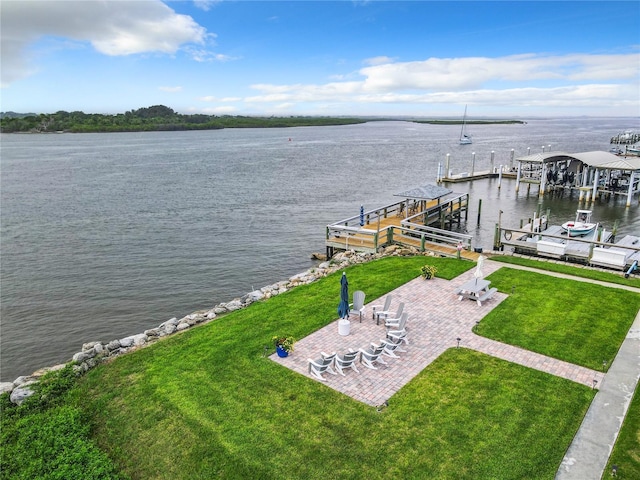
column 436, row 320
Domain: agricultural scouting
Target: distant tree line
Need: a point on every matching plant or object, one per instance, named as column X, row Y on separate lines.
column 154, row 118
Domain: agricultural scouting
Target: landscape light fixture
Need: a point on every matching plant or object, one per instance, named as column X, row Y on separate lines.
column 458, row 339
column 614, row 471
column 595, row 382
column 604, row 365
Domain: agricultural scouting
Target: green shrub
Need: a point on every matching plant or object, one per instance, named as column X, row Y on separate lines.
column 47, row 438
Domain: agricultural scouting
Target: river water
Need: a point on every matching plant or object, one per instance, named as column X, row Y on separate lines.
column 107, row 235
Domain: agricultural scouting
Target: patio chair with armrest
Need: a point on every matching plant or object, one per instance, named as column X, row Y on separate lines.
column 317, row 368
column 358, row 304
column 382, row 308
column 397, row 323
column 371, row 356
column 348, row 360
column 390, row 348
column 390, row 316
column 398, row 336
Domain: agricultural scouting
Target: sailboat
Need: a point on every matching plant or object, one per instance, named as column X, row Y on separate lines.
column 464, row 138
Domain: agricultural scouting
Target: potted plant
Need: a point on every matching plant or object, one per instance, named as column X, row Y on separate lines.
column 428, row 271
column 284, row 344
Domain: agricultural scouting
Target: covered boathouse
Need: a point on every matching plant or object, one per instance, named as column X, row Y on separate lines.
column 592, row 174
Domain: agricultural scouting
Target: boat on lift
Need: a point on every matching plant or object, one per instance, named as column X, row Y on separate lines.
column 582, row 225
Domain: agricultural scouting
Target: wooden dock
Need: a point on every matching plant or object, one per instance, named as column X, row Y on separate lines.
column 413, row 223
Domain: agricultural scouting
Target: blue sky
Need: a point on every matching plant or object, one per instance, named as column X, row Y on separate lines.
column 417, row 58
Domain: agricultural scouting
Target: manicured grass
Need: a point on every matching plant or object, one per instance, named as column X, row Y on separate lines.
column 579, row 322
column 467, row 416
column 206, row 403
column 617, row 278
column 626, row 452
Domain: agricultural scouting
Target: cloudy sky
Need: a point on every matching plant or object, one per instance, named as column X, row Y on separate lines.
column 423, row 58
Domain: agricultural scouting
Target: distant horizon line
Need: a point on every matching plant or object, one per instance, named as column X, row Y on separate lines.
column 363, row 116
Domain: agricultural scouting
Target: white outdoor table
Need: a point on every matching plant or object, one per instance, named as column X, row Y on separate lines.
column 473, row 289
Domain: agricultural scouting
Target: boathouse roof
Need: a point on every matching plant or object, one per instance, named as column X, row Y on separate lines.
column 425, row 192
column 596, row 159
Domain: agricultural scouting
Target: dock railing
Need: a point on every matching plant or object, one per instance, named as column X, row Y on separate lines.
column 385, row 226
column 348, row 233
column 527, row 240
column 434, row 236
column 441, row 212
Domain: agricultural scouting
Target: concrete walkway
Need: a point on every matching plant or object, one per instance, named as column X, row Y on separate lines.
column 438, row 321
column 589, row 452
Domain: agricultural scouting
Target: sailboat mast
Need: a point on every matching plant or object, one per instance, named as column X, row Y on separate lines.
column 464, row 119
column 464, row 138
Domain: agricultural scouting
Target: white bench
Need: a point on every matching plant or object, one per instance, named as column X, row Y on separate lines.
column 486, row 295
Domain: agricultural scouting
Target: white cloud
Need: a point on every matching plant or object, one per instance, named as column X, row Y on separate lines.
column 516, row 80
column 205, row 4
column 204, row 55
column 378, row 60
column 170, row 89
column 211, row 98
column 222, row 110
column 112, row 27
column 436, row 74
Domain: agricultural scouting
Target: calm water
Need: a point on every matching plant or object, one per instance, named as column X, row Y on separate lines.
column 106, row 235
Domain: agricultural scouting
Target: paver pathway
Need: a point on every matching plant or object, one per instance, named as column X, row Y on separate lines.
column 436, row 320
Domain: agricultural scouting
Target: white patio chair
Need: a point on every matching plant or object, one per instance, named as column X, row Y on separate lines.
column 390, row 348
column 394, row 317
column 348, row 360
column 397, row 323
column 317, row 368
column 371, row 356
column 398, row 336
column 378, row 309
column 358, row 304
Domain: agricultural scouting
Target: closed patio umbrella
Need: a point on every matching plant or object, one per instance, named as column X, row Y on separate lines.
column 343, row 307
column 478, row 273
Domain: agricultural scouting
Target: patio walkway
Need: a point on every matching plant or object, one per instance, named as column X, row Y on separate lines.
column 436, row 320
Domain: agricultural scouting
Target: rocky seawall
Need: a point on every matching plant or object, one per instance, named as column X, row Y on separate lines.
column 95, row 352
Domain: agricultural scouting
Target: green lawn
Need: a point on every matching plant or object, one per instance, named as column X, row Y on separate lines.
column 467, row 415
column 579, row 322
column 222, row 409
column 611, row 277
column 208, row 404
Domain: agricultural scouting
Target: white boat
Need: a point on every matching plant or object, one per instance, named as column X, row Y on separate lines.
column 633, row 150
column 582, row 224
column 464, row 138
